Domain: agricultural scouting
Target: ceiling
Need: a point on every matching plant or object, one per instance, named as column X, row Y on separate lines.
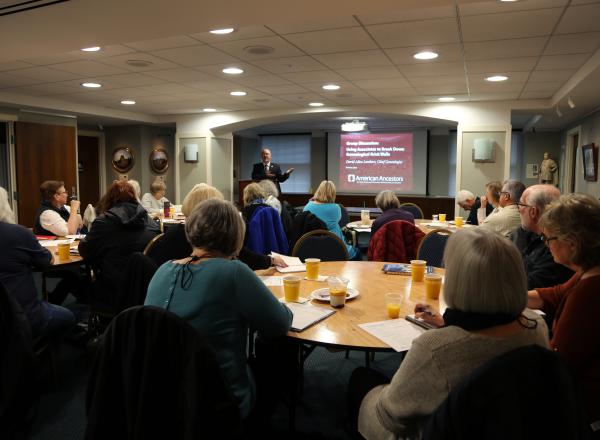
column 549, row 49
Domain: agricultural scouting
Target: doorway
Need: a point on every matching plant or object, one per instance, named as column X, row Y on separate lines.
column 569, row 184
column 88, row 166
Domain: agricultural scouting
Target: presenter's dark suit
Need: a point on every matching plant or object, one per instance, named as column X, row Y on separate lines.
column 259, row 173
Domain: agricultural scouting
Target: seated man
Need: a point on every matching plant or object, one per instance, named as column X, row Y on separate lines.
column 467, row 201
column 507, row 218
column 542, row 270
column 53, row 217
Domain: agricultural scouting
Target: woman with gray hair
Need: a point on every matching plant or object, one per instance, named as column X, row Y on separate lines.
column 154, row 201
column 478, row 325
column 271, row 194
column 219, row 296
column 391, row 210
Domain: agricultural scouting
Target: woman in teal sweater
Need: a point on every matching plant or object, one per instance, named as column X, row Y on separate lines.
column 218, row 296
column 324, row 207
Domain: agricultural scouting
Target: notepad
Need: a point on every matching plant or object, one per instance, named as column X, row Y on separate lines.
column 294, row 264
column 397, row 333
column 306, row 315
column 271, row 280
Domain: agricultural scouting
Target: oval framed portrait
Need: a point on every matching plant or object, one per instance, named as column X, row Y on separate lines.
column 159, row 160
column 123, row 159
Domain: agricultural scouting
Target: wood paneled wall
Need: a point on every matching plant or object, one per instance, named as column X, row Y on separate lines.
column 43, row 152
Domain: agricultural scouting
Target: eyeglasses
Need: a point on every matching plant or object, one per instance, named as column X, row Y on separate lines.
column 547, row 240
column 523, row 205
column 505, row 193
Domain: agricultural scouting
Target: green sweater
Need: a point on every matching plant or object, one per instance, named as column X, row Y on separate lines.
column 223, row 299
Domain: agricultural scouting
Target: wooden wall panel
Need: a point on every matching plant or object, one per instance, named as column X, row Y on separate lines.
column 43, row 152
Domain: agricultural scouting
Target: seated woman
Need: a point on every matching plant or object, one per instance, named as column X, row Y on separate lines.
column 391, row 210
column 324, row 207
column 253, row 197
column 21, row 252
column 571, row 229
column 154, row 201
column 221, row 298
column 492, row 197
column 271, row 194
column 264, row 234
column 122, row 228
column 479, row 325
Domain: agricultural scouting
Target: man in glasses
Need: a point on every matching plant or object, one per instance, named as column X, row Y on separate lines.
column 541, row 269
column 507, row 218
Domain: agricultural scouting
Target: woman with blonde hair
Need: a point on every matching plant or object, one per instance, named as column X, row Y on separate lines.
column 324, row 207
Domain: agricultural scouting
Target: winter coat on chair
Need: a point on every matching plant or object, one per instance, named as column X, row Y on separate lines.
column 395, row 241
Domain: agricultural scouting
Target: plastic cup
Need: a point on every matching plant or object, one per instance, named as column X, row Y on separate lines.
column 312, row 268
column 365, row 216
column 337, row 291
column 433, row 285
column 417, row 269
column 458, row 221
column 435, row 218
column 442, row 217
column 64, row 250
column 291, row 288
column 393, row 302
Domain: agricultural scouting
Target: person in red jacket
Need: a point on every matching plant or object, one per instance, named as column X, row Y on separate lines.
column 571, row 229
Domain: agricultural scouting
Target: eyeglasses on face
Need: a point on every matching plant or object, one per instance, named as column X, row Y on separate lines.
column 505, row 193
column 547, row 240
column 523, row 205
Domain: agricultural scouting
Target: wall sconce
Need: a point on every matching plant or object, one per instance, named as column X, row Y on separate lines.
column 571, row 102
column 483, row 150
column 190, row 153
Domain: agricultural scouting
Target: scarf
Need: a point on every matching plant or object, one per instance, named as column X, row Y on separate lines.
column 475, row 321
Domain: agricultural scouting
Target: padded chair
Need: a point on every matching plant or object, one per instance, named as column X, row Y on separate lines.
column 152, row 244
column 155, row 376
column 265, row 233
column 349, row 234
column 396, row 241
column 414, row 209
column 525, row 394
column 432, row 247
column 321, row 244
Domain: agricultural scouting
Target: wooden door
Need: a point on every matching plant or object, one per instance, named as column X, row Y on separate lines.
column 88, row 166
column 43, row 152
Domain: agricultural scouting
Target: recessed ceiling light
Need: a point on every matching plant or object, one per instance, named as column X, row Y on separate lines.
column 331, row 87
column 426, row 55
column 208, row 109
column 233, row 70
column 91, row 49
column 91, row 85
column 238, row 93
column 128, row 102
column 222, row 31
column 496, row 78
column 447, row 99
column 316, row 104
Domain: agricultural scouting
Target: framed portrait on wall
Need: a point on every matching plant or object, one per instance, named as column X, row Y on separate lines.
column 159, row 160
column 590, row 162
column 123, row 159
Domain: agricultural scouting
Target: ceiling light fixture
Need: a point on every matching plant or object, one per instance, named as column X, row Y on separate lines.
column 209, row 109
column 446, row 99
column 496, row 78
column 91, row 49
column 425, row 55
column 331, row 87
column 355, row 125
column 316, row 104
column 128, row 102
column 233, row 70
column 91, row 85
column 238, row 93
column 222, row 31
column 558, row 112
column 571, row 102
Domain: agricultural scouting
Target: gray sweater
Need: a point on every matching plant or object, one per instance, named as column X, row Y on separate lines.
column 437, row 361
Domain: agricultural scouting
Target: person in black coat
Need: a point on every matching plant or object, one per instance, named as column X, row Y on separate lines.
column 122, row 228
column 467, row 201
column 269, row 170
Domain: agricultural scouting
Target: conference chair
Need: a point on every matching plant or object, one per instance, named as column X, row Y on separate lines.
column 264, row 232
column 349, row 234
column 396, row 241
column 432, row 247
column 527, row 393
column 148, row 250
column 155, row 376
column 414, row 209
column 304, row 221
column 321, row 244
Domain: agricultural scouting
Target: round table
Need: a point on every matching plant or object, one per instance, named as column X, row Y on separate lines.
column 73, row 259
column 341, row 329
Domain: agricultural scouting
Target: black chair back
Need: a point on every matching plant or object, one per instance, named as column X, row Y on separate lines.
column 321, row 244
column 414, row 209
column 344, row 219
column 432, row 247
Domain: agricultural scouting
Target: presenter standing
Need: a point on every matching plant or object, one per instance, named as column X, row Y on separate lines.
column 269, row 170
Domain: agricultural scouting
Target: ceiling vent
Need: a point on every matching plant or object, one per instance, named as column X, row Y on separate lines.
column 259, row 50
column 8, row 7
column 139, row 63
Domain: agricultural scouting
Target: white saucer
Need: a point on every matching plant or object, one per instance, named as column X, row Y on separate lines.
column 323, row 294
column 76, row 236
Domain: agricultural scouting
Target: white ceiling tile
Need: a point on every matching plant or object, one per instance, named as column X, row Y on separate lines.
column 442, row 89
column 548, row 86
column 477, row 8
column 136, row 79
column 215, row 85
column 44, row 60
column 316, row 24
column 304, row 98
column 281, row 90
column 260, row 80
column 487, row 87
column 387, row 83
column 512, row 77
column 401, row 99
column 368, row 72
column 236, row 48
column 518, row 47
column 446, row 53
column 392, row 92
column 291, row 64
column 51, row 89
column 333, row 40
column 557, row 62
column 513, row 24
column 415, row 33
column 180, row 74
column 432, row 69
column 13, row 65
column 500, row 96
column 158, row 98
column 348, row 60
column 355, row 100
column 536, row 95
column 242, row 33
column 9, row 80
column 163, row 43
column 345, row 87
column 324, row 76
column 199, row 55
column 573, row 43
column 122, row 62
column 551, row 75
column 89, row 68
column 168, row 89
column 523, row 64
column 108, row 82
column 425, row 81
column 104, row 52
column 405, row 14
column 45, row 74
column 584, row 18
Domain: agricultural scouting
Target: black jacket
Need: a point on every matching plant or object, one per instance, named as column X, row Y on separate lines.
column 258, row 173
column 472, row 218
column 304, row 222
column 46, row 206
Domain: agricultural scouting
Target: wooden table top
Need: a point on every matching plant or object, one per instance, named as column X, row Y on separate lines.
column 341, row 329
column 72, row 258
